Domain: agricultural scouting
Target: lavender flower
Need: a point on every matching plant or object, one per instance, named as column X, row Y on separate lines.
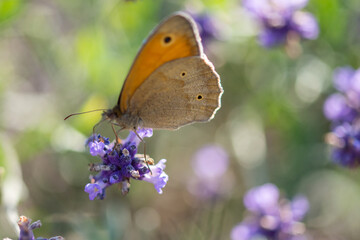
column 26, row 230
column 345, row 140
column 343, row 110
column 278, row 19
column 271, row 218
column 120, row 163
column 207, row 26
column 210, row 164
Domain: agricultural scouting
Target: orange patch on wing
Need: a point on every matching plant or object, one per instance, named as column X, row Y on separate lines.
column 155, row 53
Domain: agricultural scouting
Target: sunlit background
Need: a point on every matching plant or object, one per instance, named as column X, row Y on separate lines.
column 60, row 57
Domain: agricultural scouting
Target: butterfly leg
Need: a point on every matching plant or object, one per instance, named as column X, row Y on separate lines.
column 96, row 125
column 115, row 132
column 143, row 141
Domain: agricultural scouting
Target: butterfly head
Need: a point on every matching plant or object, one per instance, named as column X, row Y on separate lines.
column 112, row 114
column 123, row 120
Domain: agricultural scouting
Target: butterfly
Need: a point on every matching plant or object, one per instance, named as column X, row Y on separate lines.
column 171, row 82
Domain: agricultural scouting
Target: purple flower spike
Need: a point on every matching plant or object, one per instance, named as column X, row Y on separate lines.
column 120, row 163
column 270, row 217
column 26, row 229
column 279, row 18
column 343, row 109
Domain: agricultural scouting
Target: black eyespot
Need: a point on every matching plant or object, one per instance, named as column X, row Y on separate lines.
column 183, row 74
column 167, row 39
column 199, row 97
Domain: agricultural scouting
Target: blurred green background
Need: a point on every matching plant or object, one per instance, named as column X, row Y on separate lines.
column 59, row 57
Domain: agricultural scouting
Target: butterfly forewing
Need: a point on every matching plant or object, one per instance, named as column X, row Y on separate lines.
column 174, row 38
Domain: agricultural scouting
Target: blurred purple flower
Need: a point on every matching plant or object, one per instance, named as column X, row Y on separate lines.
column 26, row 230
column 345, row 139
column 120, row 163
column 270, row 217
column 278, row 18
column 343, row 78
column 210, row 164
column 262, row 199
column 343, row 109
column 207, row 25
column 336, row 108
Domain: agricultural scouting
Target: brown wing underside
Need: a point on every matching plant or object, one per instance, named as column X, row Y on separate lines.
column 176, row 37
column 180, row 92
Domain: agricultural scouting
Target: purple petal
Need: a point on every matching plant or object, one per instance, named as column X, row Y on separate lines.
column 97, row 148
column 207, row 26
column 267, row 8
column 343, row 130
column 306, row 24
column 299, row 207
column 336, row 108
column 241, row 232
column 292, row 4
column 343, row 78
column 262, row 199
column 355, row 82
column 142, row 132
column 157, row 176
column 93, row 190
column 271, row 37
column 257, row 7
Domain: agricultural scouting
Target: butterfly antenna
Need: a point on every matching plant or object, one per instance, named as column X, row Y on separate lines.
column 73, row 114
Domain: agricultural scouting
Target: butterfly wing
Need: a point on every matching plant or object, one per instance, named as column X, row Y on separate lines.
column 176, row 37
column 179, row 92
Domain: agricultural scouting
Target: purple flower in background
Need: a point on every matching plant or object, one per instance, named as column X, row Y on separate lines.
column 210, row 164
column 279, row 18
column 345, row 140
column 336, row 108
column 343, row 110
column 26, row 230
column 120, row 163
column 207, row 25
column 271, row 218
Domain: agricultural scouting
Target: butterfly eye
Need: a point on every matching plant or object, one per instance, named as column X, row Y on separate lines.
column 199, row 97
column 167, row 39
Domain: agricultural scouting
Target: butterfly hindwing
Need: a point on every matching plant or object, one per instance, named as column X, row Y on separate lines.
column 179, row 92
